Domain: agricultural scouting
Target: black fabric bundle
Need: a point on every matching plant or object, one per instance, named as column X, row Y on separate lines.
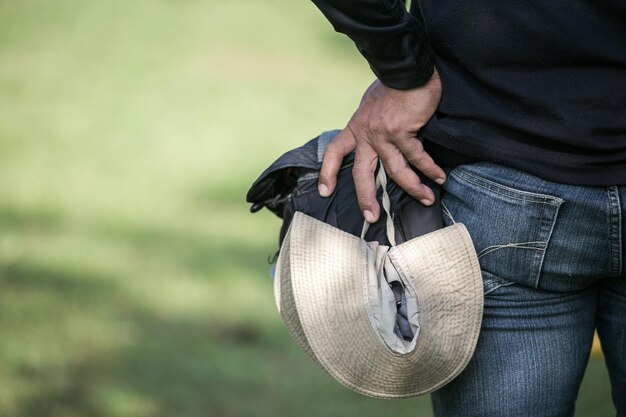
column 290, row 185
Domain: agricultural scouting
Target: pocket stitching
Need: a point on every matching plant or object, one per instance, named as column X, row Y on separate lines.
column 505, row 191
column 537, row 245
column 496, row 281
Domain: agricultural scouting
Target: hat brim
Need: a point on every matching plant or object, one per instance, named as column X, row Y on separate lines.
column 322, row 294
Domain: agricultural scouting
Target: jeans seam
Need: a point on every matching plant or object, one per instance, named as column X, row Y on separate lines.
column 510, row 192
column 543, row 254
column 615, row 227
column 504, row 284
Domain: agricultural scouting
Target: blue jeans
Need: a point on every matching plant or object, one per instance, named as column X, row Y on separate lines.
column 552, row 263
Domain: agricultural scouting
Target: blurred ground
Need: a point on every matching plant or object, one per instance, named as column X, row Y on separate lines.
column 133, row 281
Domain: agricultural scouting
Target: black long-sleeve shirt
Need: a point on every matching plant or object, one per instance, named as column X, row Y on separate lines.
column 533, row 84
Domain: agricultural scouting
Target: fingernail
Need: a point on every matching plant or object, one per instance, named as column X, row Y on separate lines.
column 323, row 190
column 369, row 216
column 426, row 201
column 440, row 181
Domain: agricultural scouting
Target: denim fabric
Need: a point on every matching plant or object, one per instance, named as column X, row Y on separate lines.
column 552, row 263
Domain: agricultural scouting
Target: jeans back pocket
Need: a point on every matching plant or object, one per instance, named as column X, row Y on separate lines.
column 511, row 228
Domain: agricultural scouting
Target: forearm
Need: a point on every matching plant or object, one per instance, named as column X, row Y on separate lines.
column 392, row 40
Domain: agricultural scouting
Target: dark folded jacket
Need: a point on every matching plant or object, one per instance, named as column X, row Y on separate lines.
column 290, row 185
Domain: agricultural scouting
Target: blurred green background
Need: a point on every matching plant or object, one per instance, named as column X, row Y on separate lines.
column 133, row 280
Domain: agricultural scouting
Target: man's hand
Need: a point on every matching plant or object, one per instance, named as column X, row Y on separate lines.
column 385, row 125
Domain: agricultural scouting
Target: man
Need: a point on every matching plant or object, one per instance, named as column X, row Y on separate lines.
column 524, row 105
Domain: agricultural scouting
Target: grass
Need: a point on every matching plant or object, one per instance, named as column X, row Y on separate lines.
column 133, row 281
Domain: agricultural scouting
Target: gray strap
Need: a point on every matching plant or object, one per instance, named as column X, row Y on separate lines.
column 381, row 181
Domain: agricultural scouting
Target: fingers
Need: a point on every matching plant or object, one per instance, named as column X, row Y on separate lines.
column 365, row 162
column 397, row 153
column 399, row 170
column 337, row 149
column 396, row 156
column 413, row 151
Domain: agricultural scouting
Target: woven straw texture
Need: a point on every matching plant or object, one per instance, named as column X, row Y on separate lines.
column 322, row 294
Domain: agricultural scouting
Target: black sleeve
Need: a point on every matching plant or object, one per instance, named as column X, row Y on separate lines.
column 392, row 40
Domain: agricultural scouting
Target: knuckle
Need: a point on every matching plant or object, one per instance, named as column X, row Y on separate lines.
column 378, row 125
column 430, row 170
column 325, row 176
column 328, row 164
column 336, row 148
column 418, row 158
column 395, row 170
column 359, row 168
column 394, row 129
column 415, row 192
column 332, row 147
column 385, row 126
column 358, row 124
column 419, row 192
column 364, row 201
column 421, row 162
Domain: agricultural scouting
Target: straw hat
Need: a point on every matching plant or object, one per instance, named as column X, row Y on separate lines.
column 385, row 321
